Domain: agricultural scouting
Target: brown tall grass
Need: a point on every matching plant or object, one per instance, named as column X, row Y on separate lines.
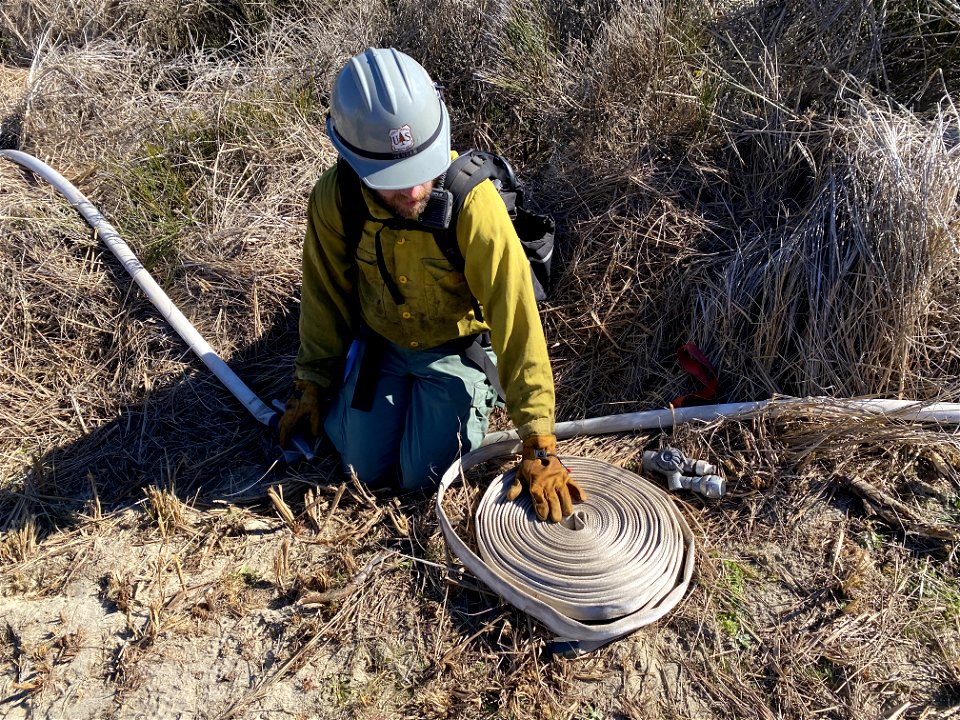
column 776, row 181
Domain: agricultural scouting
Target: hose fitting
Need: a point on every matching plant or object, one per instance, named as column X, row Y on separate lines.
column 681, row 472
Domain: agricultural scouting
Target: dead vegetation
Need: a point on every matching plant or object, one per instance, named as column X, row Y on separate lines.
column 775, row 181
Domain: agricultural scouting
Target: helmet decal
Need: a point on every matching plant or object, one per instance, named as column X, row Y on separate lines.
column 401, row 138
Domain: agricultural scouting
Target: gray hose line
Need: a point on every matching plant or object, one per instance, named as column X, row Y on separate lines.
column 161, row 301
column 908, row 410
column 260, row 410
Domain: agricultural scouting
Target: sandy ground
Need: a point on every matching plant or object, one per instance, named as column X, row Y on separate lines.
column 163, row 610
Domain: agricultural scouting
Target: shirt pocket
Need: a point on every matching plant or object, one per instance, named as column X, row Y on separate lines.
column 447, row 285
column 370, row 286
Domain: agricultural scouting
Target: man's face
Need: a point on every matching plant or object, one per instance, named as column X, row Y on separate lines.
column 409, row 202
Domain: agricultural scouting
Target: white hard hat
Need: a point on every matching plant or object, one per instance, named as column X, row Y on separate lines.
column 388, row 122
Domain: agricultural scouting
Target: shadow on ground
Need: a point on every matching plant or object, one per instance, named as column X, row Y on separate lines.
column 190, row 436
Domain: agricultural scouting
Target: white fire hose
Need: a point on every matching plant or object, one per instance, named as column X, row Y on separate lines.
column 161, row 301
column 583, row 552
column 622, row 560
column 625, row 556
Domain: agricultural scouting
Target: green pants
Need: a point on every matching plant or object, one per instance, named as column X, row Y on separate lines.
column 429, row 406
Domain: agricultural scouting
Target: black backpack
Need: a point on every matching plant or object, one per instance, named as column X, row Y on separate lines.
column 536, row 231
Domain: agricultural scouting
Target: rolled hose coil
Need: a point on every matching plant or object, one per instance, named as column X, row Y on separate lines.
column 628, row 565
column 500, row 444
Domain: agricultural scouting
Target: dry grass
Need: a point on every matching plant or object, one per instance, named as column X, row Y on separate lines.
column 776, row 181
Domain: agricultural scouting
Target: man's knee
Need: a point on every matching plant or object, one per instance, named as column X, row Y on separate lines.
column 370, row 470
column 423, row 465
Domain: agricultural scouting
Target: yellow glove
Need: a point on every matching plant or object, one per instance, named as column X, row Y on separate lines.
column 552, row 490
column 304, row 403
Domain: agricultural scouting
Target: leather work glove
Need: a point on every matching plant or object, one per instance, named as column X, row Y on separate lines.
column 552, row 489
column 305, row 402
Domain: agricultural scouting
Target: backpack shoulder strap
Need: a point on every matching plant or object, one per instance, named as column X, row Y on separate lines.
column 353, row 208
column 464, row 174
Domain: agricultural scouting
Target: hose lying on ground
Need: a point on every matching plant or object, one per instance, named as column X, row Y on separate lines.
column 553, row 610
column 161, row 301
column 643, row 602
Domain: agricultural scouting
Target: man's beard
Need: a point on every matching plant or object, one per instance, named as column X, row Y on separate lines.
column 401, row 209
column 395, row 203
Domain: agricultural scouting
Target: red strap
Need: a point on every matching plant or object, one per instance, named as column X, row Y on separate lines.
column 692, row 359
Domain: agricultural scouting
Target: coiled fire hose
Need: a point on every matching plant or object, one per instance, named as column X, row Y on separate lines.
column 518, row 581
column 622, row 560
column 581, row 616
column 628, row 534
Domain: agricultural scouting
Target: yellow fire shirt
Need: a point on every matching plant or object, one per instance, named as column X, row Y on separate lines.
column 437, row 306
